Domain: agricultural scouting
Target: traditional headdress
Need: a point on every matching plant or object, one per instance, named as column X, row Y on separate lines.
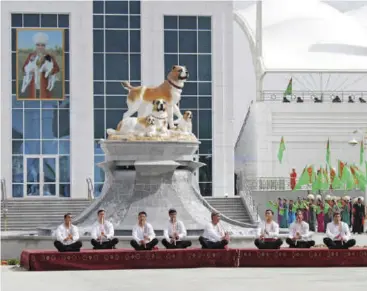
column 40, row 38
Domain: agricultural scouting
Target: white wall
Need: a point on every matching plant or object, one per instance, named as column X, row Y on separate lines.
column 305, row 130
column 222, row 63
column 81, row 87
column 244, row 77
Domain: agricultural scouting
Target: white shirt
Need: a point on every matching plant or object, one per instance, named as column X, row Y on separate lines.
column 177, row 227
column 333, row 230
column 302, row 228
column 213, row 232
column 140, row 231
column 62, row 232
column 106, row 227
column 268, row 230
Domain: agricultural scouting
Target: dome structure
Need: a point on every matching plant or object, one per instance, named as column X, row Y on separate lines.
column 307, row 35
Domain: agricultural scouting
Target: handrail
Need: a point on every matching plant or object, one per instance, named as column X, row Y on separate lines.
column 246, row 196
column 243, row 125
column 90, row 189
column 4, row 199
column 268, row 183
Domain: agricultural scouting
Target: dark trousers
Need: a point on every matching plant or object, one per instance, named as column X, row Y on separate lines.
column 148, row 247
column 180, row 244
column 207, row 244
column 74, row 247
column 268, row 245
column 300, row 244
column 105, row 245
column 337, row 244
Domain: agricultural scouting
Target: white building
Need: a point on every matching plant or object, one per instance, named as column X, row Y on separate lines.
column 49, row 148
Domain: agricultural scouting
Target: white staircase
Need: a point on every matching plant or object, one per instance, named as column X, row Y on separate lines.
column 231, row 207
column 24, row 215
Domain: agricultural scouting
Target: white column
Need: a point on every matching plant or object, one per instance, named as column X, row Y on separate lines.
column 81, row 98
column 6, row 97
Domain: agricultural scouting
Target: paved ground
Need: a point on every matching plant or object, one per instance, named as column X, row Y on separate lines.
column 282, row 279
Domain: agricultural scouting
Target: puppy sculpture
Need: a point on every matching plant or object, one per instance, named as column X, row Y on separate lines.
column 159, row 113
column 184, row 125
column 140, row 126
column 140, row 98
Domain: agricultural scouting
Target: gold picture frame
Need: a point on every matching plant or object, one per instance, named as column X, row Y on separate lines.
column 40, row 64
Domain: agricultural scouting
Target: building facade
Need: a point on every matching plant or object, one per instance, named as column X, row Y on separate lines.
column 49, row 145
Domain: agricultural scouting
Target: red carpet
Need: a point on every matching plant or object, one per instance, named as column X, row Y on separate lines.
column 38, row 260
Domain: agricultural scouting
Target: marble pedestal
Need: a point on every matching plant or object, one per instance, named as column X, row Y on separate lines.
column 151, row 176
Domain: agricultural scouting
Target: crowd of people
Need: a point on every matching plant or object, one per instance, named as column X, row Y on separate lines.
column 318, row 211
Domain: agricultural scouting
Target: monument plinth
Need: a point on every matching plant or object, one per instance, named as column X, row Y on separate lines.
column 150, row 176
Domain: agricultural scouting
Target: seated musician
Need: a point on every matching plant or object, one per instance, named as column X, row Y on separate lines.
column 338, row 234
column 214, row 236
column 299, row 235
column 143, row 234
column 268, row 233
column 102, row 233
column 67, row 236
column 174, row 233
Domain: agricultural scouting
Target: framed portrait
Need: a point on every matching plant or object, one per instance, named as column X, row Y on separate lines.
column 40, row 64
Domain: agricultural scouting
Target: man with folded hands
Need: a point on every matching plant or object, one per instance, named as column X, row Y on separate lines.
column 214, row 236
column 268, row 232
column 299, row 233
column 174, row 233
column 67, row 236
column 103, row 233
column 143, row 234
column 338, row 234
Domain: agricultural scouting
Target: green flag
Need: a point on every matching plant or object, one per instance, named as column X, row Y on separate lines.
column 324, row 183
column 307, row 177
column 347, row 178
column 359, row 178
column 281, row 150
column 316, row 185
column 336, row 183
column 289, row 90
column 361, row 154
column 328, row 152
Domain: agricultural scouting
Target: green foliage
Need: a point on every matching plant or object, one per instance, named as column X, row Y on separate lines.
column 13, row 262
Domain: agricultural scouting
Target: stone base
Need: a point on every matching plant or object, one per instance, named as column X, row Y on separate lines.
column 151, row 177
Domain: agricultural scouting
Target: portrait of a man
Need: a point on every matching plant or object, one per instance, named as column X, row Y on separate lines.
column 40, row 64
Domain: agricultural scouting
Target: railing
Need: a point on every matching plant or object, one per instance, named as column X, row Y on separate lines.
column 268, row 183
column 315, row 96
column 90, row 189
column 246, row 196
column 243, row 124
column 4, row 199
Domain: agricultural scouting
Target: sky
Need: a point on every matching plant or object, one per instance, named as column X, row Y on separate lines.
column 25, row 38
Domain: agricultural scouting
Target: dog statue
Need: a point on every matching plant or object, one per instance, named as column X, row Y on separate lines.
column 184, row 125
column 159, row 113
column 140, row 98
column 140, row 126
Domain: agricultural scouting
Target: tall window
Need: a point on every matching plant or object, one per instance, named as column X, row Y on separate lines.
column 187, row 41
column 41, row 129
column 116, row 46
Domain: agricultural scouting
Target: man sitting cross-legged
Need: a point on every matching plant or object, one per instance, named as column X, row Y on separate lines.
column 67, row 236
column 143, row 234
column 338, row 234
column 102, row 233
column 174, row 233
column 299, row 235
column 268, row 232
column 214, row 236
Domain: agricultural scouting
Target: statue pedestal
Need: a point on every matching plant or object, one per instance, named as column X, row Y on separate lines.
column 150, row 176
